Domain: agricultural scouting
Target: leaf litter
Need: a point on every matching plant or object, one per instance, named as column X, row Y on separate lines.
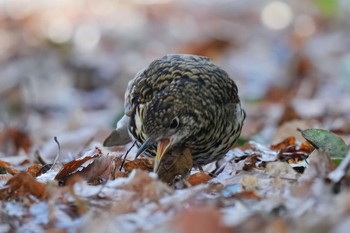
column 259, row 186
column 57, row 82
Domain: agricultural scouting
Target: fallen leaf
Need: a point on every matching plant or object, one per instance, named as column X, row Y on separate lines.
column 7, row 167
column 286, row 143
column 77, row 165
column 95, row 168
column 22, row 184
column 199, row 220
column 18, row 138
column 331, row 143
column 143, row 164
column 177, row 163
column 198, row 178
column 247, row 195
column 35, row 169
column 101, row 169
column 307, row 147
column 145, row 186
column 251, row 162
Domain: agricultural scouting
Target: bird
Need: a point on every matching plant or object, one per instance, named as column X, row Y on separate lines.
column 180, row 102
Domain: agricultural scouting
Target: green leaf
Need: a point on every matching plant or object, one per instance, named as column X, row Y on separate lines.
column 327, row 8
column 331, row 143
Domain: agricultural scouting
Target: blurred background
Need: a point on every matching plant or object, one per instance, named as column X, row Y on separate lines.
column 64, row 65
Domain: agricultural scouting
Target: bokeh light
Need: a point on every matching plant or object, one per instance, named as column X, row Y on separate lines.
column 59, row 30
column 276, row 15
column 87, row 36
column 304, row 25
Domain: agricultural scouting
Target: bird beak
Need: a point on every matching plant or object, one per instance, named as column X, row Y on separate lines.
column 162, row 147
column 146, row 144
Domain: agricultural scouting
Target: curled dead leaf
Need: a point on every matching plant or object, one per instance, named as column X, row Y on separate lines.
column 75, row 166
column 103, row 168
column 94, row 168
column 177, row 163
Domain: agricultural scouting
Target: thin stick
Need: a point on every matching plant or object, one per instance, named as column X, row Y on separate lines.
column 126, row 154
column 58, row 154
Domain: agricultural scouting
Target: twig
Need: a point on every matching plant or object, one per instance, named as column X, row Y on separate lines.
column 126, row 154
column 58, row 154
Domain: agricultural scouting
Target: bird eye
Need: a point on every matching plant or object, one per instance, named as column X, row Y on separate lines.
column 174, row 123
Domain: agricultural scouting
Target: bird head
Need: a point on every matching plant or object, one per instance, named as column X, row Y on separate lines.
column 168, row 122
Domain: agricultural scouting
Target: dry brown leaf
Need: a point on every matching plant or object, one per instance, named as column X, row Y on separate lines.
column 199, row 220
column 143, row 164
column 247, row 195
column 145, row 186
column 119, row 174
column 250, row 162
column 177, row 163
column 18, row 139
column 35, row 169
column 23, row 184
column 102, row 168
column 288, row 143
column 306, row 147
column 94, row 169
column 198, row 178
column 289, row 151
column 77, row 165
column 8, row 168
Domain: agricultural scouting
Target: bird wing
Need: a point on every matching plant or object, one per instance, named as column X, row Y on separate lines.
column 120, row 135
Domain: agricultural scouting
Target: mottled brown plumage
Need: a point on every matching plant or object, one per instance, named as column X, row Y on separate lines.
column 181, row 101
